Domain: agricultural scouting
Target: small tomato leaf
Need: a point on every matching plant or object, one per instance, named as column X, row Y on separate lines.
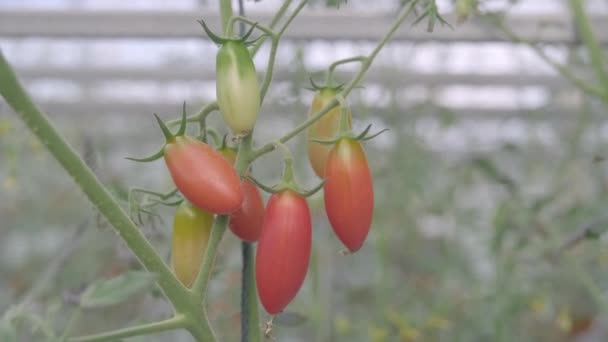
column 113, row 291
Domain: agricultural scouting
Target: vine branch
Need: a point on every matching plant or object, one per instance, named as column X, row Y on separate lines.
column 365, row 64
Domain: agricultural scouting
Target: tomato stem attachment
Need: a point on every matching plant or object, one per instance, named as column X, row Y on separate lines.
column 266, row 188
column 316, row 87
column 214, row 37
column 169, row 137
column 288, row 181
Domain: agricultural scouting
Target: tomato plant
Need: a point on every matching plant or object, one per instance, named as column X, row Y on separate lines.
column 207, row 183
column 283, row 250
column 349, row 193
column 191, row 229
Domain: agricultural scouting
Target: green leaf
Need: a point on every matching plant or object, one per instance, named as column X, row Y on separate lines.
column 113, row 291
column 7, row 331
column 490, row 170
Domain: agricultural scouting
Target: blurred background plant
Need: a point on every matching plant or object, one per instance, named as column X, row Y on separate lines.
column 490, row 184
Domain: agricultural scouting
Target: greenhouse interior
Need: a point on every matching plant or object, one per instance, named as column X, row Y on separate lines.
column 420, row 170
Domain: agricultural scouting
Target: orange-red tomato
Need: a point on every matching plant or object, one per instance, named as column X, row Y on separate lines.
column 283, row 250
column 191, row 230
column 246, row 223
column 203, row 176
column 324, row 129
column 349, row 193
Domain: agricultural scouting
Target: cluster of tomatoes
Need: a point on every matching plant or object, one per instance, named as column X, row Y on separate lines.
column 208, row 181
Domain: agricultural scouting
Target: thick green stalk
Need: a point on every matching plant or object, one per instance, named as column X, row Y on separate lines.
column 16, row 96
column 226, row 14
column 581, row 19
column 250, row 318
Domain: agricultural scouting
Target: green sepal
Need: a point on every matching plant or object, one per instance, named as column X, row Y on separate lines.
column 316, row 87
column 268, row 189
column 248, row 34
column 215, row 38
column 254, row 41
column 325, row 142
column 359, row 137
column 151, row 158
column 370, row 137
column 313, row 190
column 166, row 132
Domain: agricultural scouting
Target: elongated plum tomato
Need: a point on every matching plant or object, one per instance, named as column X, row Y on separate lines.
column 246, row 223
column 203, row 176
column 324, row 129
column 191, row 230
column 237, row 88
column 349, row 193
column 283, row 250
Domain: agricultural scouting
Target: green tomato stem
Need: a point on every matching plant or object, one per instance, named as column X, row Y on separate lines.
column 250, row 319
column 226, row 14
column 334, row 65
column 269, row 147
column 246, row 20
column 273, row 50
column 201, row 115
column 273, row 23
column 178, row 321
column 581, row 19
column 564, row 71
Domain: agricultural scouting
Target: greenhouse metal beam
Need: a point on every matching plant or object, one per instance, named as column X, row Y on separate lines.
column 320, row 24
column 84, row 110
column 195, row 73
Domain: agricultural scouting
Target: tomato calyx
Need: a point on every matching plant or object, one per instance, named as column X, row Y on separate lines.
column 223, row 40
column 328, row 87
column 345, row 131
column 169, row 137
column 288, row 181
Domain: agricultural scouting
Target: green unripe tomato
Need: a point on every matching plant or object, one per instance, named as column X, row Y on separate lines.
column 191, row 230
column 238, row 91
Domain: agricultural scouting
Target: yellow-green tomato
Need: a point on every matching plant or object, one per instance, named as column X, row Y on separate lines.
column 238, row 91
column 191, row 230
column 324, row 129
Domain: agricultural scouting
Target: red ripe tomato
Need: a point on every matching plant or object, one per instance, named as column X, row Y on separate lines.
column 349, row 193
column 283, row 250
column 203, row 176
column 246, row 223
